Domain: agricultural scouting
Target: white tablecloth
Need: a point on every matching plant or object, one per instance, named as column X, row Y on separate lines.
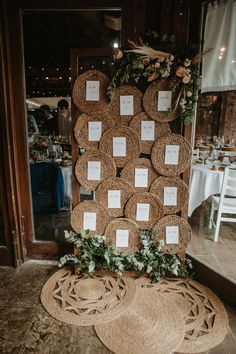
column 204, row 183
column 67, row 176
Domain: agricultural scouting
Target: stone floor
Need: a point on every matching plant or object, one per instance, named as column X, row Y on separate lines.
column 26, row 328
column 221, row 255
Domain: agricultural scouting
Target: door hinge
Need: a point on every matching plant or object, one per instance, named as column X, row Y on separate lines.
column 23, row 228
column 14, row 240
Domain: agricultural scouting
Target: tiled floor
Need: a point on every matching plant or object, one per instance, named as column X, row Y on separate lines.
column 221, row 255
column 26, row 328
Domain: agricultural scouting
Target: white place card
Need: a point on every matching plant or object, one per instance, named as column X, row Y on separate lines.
column 147, row 130
column 164, row 101
column 113, row 197
column 89, row 222
column 94, row 131
column 126, row 105
column 142, row 212
column 94, row 170
column 172, row 155
column 119, row 146
column 170, row 195
column 172, row 234
column 122, row 238
column 92, row 90
column 141, row 177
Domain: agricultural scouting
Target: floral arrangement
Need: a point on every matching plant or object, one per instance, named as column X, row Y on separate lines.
column 95, row 253
column 144, row 62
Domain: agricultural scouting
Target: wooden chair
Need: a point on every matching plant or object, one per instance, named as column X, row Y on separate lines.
column 225, row 203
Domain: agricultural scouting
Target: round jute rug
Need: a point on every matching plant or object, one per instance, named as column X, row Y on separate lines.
column 151, row 325
column 80, row 301
column 206, row 321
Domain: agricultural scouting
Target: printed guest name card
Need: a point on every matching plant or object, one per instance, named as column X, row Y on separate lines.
column 119, row 147
column 141, row 177
column 172, row 155
column 147, row 130
column 94, row 171
column 126, row 105
column 89, row 222
column 142, row 212
column 94, row 131
column 172, row 234
column 164, row 101
column 113, row 197
column 122, row 238
column 92, row 90
column 170, row 195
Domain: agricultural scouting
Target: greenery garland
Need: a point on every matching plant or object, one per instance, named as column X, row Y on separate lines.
column 179, row 68
column 95, row 254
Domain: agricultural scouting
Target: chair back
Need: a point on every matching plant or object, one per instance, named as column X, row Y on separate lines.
column 195, row 153
column 229, row 183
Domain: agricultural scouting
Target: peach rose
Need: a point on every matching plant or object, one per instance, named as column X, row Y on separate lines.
column 181, row 71
column 118, row 54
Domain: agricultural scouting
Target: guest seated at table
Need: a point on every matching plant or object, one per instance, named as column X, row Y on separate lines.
column 47, row 123
column 32, row 125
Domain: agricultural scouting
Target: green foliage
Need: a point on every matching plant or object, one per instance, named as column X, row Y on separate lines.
column 95, row 254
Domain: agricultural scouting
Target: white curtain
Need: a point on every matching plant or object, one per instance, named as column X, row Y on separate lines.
column 219, row 65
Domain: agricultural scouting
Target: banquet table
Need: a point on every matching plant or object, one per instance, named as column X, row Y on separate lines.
column 204, row 183
column 57, row 179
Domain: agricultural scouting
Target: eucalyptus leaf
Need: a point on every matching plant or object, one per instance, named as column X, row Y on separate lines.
column 91, row 266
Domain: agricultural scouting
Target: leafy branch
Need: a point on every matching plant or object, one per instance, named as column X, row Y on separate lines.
column 96, row 254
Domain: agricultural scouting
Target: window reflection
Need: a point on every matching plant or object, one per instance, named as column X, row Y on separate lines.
column 48, row 38
column 50, row 167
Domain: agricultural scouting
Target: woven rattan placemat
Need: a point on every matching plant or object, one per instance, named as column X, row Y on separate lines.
column 151, row 325
column 80, row 301
column 79, row 92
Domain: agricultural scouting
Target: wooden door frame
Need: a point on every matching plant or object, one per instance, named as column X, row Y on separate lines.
column 12, row 13
column 12, row 252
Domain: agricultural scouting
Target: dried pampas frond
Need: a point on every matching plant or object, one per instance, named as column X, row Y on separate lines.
column 147, row 51
column 199, row 56
column 153, row 76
